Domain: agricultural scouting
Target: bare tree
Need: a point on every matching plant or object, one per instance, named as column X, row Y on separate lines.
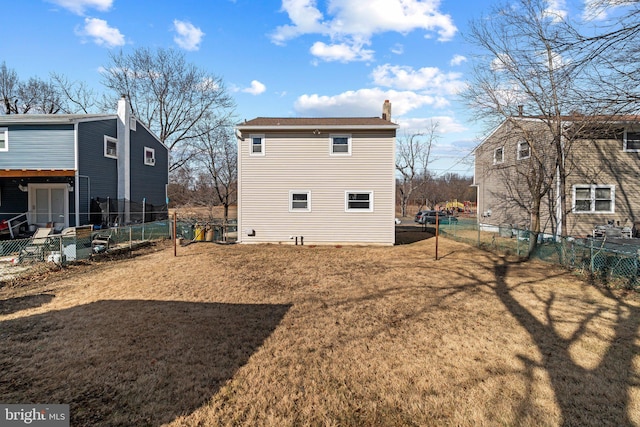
column 39, row 97
column 412, row 159
column 525, row 65
column 8, row 89
column 216, row 158
column 169, row 95
column 180, row 188
column 76, row 96
column 456, row 187
column 610, row 51
column 33, row 96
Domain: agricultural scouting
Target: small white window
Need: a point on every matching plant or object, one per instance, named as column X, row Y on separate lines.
column 149, row 156
column 340, row 145
column 524, row 150
column 299, row 201
column 110, row 147
column 358, row 201
column 498, row 155
column 4, row 139
column 593, row 198
column 631, row 141
column 256, row 147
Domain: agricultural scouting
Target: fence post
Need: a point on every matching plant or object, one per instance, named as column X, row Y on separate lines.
column 591, row 256
column 478, row 225
column 144, row 204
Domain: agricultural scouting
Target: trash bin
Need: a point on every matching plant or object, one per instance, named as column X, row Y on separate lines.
column 198, row 233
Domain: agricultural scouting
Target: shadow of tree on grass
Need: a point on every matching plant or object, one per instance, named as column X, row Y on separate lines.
column 585, row 396
column 130, row 362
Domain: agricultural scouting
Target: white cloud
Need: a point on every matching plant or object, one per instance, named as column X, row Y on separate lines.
column 101, row 33
column 502, row 62
column 340, row 52
column 429, row 79
column 189, row 36
column 457, row 60
column 79, row 6
column 355, row 22
column 256, row 88
column 556, row 10
column 365, row 103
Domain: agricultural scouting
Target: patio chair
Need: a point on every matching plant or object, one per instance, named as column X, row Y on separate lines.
column 101, row 241
column 37, row 245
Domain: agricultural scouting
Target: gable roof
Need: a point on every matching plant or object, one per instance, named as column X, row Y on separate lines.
column 574, row 118
column 51, row 118
column 58, row 119
column 317, row 122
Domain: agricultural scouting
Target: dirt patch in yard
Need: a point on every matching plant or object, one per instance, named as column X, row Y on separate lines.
column 279, row 335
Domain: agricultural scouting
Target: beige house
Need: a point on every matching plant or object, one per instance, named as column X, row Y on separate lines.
column 317, row 180
column 602, row 160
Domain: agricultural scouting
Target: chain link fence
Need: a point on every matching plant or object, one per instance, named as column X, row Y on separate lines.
column 611, row 261
column 194, row 229
column 79, row 243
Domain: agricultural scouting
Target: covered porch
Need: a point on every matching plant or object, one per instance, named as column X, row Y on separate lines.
column 30, row 199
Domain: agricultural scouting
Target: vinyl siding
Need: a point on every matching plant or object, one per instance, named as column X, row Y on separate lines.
column 13, row 201
column 39, row 147
column 491, row 180
column 101, row 171
column 148, row 182
column 598, row 162
column 603, row 162
column 303, row 162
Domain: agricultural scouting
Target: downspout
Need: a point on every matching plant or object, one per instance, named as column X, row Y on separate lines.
column 76, row 178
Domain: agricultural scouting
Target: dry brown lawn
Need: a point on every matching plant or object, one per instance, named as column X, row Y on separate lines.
column 281, row 335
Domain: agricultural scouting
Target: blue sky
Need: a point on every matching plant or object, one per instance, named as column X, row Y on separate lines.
column 285, row 58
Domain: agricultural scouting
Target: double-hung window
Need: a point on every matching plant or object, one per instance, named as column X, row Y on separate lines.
column 4, row 139
column 110, row 147
column 524, row 150
column 358, row 201
column 593, row 198
column 149, row 156
column 299, row 201
column 631, row 140
column 498, row 155
column 340, row 145
column 256, row 147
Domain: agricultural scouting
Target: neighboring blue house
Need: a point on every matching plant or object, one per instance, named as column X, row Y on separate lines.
column 55, row 167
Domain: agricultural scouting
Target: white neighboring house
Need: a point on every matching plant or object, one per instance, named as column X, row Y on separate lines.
column 317, row 180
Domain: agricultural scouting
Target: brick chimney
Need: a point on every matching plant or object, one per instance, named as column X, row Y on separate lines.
column 386, row 110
